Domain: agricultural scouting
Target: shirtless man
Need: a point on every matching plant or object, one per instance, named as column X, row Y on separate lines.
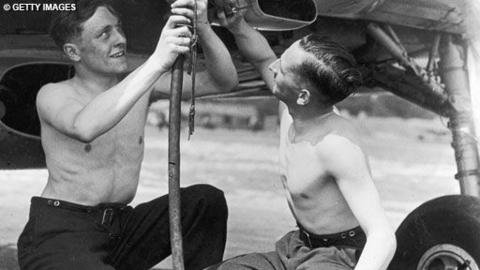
column 92, row 130
column 323, row 168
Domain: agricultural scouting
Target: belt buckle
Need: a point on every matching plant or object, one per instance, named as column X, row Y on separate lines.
column 107, row 216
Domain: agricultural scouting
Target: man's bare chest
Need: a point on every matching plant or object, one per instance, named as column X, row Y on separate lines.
column 304, row 172
column 125, row 137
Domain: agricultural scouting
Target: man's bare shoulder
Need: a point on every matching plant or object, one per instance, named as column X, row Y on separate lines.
column 342, row 139
column 53, row 91
column 335, row 142
column 335, row 126
column 342, row 157
column 53, row 96
column 341, row 127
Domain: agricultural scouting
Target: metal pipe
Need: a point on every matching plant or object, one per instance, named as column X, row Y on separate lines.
column 454, row 75
column 394, row 37
column 393, row 48
column 397, row 51
column 174, row 200
column 433, row 53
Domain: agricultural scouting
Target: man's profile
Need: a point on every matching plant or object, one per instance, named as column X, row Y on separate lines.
column 324, row 171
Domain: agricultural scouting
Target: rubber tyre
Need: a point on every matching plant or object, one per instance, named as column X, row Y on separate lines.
column 451, row 220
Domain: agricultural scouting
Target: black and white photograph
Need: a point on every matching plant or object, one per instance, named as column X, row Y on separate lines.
column 239, row 134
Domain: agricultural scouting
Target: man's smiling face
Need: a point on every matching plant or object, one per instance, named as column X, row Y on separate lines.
column 102, row 43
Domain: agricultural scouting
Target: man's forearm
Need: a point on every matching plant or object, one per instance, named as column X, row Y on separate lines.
column 252, row 44
column 108, row 108
column 255, row 48
column 218, row 60
column 378, row 252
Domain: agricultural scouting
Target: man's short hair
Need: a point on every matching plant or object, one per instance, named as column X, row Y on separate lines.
column 67, row 25
column 332, row 69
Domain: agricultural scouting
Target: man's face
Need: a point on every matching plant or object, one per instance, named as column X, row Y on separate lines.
column 285, row 77
column 102, row 43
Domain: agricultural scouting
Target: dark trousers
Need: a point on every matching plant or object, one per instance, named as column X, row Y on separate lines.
column 65, row 236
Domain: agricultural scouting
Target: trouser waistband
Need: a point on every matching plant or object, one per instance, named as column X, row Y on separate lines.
column 352, row 238
column 106, row 211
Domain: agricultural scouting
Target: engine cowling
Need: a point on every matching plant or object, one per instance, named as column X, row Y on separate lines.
column 20, row 145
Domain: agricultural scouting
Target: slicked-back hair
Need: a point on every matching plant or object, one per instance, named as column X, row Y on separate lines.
column 65, row 26
column 331, row 69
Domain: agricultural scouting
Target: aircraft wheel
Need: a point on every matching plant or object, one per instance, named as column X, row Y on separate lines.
column 441, row 234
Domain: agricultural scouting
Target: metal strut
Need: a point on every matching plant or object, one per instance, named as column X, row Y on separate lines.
column 455, row 77
column 415, row 86
column 455, row 103
column 394, row 46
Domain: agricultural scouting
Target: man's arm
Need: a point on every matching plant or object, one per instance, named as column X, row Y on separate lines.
column 85, row 122
column 253, row 46
column 350, row 169
column 220, row 75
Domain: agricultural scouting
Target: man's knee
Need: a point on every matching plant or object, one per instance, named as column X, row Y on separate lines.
column 212, row 198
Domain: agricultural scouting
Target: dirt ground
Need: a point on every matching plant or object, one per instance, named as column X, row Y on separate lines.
column 411, row 162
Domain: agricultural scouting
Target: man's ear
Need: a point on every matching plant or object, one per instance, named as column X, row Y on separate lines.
column 303, row 97
column 72, row 51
